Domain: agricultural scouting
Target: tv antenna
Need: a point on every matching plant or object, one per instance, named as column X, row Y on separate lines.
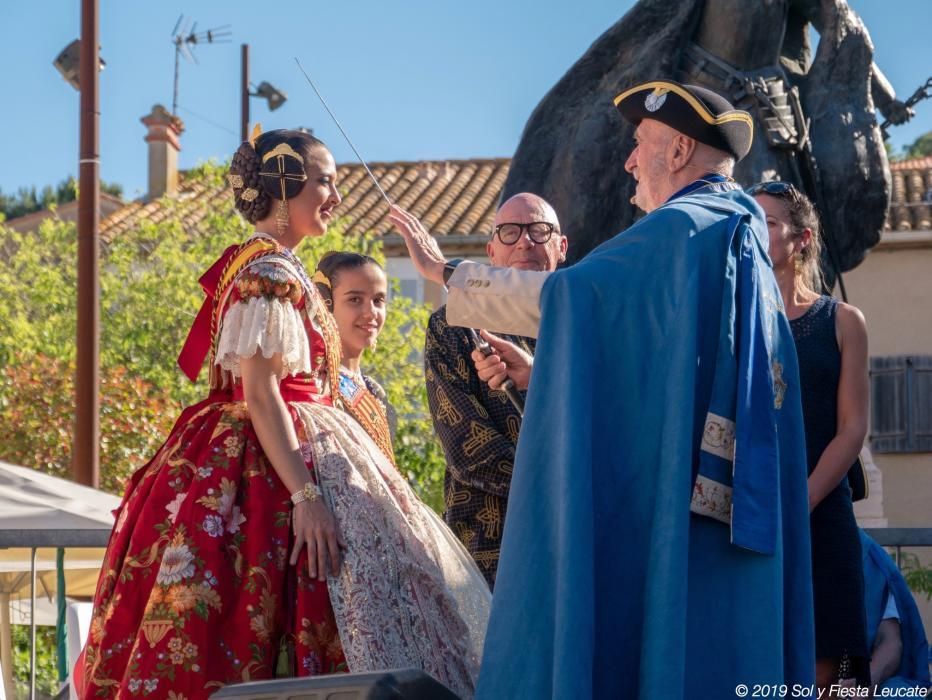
column 185, row 37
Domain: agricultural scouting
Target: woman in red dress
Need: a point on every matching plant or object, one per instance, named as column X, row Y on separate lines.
column 271, row 535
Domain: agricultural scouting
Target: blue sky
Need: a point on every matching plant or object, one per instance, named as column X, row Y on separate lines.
column 409, row 80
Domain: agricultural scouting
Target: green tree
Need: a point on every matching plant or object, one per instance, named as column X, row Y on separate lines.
column 27, row 200
column 46, row 669
column 920, row 147
column 36, row 418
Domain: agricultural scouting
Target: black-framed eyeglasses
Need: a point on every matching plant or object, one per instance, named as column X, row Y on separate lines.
column 776, row 189
column 537, row 231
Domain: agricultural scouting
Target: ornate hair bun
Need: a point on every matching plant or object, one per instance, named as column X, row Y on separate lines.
column 244, row 178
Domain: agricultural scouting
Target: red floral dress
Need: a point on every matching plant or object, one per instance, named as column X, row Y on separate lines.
column 196, row 590
column 190, row 597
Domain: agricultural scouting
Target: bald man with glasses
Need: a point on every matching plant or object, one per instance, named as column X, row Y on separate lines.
column 477, row 426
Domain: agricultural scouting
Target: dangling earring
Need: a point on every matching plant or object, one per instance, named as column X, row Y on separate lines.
column 798, row 264
column 281, row 217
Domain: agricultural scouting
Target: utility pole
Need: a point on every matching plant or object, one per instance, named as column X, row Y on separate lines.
column 86, row 446
column 244, row 95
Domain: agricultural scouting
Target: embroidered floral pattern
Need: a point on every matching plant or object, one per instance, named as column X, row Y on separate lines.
column 194, row 592
column 711, row 499
column 718, row 436
column 269, row 281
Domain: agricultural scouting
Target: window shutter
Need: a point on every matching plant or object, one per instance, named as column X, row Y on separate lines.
column 889, row 408
column 920, row 389
column 901, row 403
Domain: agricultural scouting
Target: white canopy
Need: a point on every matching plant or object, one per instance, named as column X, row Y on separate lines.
column 31, row 500
column 42, row 512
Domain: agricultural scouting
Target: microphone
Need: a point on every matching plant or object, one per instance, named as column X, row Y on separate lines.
column 507, row 386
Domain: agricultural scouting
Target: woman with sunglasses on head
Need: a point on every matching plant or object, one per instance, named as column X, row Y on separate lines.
column 355, row 289
column 271, row 535
column 831, row 342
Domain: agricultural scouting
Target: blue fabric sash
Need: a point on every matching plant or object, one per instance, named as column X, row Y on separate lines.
column 739, row 459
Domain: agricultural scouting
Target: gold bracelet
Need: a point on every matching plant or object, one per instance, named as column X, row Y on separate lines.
column 309, row 492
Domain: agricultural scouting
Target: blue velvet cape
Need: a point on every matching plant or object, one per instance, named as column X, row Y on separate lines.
column 609, row 587
column 882, row 578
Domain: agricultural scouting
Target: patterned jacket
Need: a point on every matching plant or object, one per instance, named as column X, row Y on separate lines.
column 478, row 429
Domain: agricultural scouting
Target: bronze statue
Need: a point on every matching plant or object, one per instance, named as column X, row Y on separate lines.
column 814, row 114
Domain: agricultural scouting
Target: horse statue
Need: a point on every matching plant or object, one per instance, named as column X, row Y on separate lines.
column 814, row 114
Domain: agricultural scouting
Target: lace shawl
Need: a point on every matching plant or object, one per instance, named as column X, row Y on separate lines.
column 408, row 593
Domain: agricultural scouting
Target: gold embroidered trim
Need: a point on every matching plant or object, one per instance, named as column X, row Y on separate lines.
column 779, row 385
column 711, row 499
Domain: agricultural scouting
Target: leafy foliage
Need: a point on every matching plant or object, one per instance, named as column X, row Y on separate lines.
column 27, row 200
column 918, row 577
column 46, row 669
column 920, row 147
column 37, row 424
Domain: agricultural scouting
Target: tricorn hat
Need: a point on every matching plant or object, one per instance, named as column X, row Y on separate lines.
column 692, row 110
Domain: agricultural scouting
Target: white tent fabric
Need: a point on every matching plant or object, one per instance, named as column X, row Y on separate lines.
column 31, row 504
column 31, row 500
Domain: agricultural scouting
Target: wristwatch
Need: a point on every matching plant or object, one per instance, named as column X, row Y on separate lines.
column 309, row 492
column 448, row 269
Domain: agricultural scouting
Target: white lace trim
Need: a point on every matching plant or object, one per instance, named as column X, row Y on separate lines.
column 272, row 325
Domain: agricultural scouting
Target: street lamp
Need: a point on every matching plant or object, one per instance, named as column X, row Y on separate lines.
column 275, row 97
column 68, row 63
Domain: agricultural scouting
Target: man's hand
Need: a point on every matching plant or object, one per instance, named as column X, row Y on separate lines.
column 422, row 247
column 507, row 361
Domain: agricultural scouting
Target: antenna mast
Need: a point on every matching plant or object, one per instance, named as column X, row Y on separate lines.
column 185, row 37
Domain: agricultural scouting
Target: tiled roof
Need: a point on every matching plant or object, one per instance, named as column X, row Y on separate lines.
column 911, row 205
column 455, row 200
column 924, row 163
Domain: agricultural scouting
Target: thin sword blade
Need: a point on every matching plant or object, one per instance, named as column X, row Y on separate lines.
column 337, row 122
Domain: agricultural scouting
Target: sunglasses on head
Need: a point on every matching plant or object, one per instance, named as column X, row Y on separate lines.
column 776, row 189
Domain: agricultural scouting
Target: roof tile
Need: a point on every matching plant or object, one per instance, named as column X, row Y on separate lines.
column 458, row 198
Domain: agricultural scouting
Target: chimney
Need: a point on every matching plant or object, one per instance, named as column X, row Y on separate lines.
column 163, row 130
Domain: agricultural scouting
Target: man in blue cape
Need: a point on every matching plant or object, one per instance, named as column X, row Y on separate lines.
column 657, row 537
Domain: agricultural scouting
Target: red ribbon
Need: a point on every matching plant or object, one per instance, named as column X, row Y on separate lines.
column 197, row 346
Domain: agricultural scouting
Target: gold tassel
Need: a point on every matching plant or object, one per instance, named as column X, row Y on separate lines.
column 281, row 217
column 285, row 666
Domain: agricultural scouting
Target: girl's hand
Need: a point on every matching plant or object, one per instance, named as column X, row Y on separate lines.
column 315, row 526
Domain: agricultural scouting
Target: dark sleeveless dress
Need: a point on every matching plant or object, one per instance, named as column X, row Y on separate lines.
column 837, row 578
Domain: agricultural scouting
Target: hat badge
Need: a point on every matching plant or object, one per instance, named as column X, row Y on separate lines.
column 655, row 99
